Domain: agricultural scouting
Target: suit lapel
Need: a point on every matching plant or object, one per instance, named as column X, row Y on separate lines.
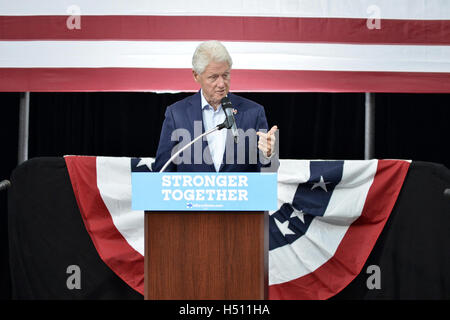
column 235, row 101
column 194, row 113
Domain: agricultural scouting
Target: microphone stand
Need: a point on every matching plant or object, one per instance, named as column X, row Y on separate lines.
column 219, row 127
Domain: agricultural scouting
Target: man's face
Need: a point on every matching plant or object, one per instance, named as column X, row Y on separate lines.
column 215, row 82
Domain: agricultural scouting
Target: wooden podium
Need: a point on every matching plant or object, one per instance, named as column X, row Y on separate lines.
column 220, row 255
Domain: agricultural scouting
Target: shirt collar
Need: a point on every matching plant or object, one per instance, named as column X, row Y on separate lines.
column 204, row 102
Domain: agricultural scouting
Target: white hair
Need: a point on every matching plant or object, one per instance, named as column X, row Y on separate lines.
column 209, row 51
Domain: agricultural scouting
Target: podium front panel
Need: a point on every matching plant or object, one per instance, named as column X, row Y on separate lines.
column 218, row 255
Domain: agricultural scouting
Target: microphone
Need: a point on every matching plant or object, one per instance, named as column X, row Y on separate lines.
column 230, row 121
column 5, row 184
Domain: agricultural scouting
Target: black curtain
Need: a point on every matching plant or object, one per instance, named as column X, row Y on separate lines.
column 413, row 126
column 9, row 115
column 103, row 124
column 312, row 125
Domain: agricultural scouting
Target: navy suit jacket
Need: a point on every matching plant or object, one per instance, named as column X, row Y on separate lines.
column 186, row 115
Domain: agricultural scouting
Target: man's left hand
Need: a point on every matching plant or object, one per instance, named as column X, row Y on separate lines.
column 266, row 141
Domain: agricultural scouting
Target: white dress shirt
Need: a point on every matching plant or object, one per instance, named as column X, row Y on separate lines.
column 217, row 139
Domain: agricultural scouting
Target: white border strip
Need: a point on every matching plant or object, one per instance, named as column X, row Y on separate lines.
column 114, row 184
column 385, row 9
column 246, row 55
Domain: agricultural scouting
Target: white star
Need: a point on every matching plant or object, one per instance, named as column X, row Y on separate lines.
column 321, row 184
column 283, row 227
column 298, row 214
column 146, row 161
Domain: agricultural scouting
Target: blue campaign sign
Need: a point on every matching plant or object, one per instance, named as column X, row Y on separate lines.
column 194, row 191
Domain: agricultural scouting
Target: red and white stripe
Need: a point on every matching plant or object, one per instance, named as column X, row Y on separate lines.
column 281, row 46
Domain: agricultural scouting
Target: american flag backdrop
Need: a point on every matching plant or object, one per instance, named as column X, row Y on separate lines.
column 276, row 45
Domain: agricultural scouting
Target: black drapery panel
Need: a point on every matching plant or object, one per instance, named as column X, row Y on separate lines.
column 413, row 126
column 9, row 116
column 316, row 125
column 312, row 125
column 103, row 124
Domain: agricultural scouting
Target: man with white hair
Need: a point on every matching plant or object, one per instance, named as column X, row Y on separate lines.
column 186, row 119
